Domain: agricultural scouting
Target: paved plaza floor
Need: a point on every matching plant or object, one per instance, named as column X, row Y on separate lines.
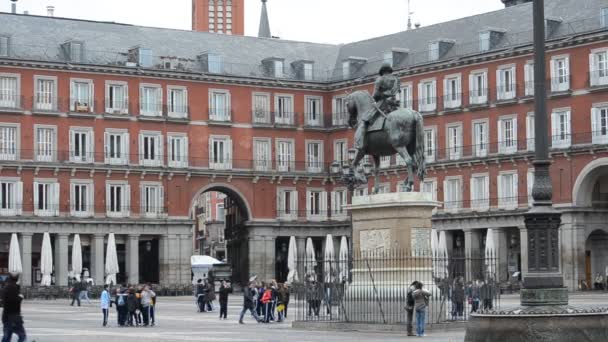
column 177, row 320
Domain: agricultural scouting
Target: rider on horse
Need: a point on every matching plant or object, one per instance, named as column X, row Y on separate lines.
column 386, row 89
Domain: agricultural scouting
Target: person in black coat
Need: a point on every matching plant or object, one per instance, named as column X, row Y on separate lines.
column 225, row 289
column 11, row 315
column 248, row 303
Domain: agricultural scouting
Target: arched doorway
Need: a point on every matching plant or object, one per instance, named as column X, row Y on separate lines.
column 596, row 255
column 220, row 212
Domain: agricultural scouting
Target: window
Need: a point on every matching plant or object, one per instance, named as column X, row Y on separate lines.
column 10, row 96
column 316, row 204
column 530, row 131
column 530, row 186
column 405, row 96
column 177, row 102
column 278, row 69
column 599, row 125
column 529, row 79
column 314, row 113
column 430, row 148
column 308, row 71
column 150, row 100
column 219, row 105
column 480, row 190
column 220, row 213
column 116, row 98
column 81, row 96
column 314, row 156
column 287, row 204
column 262, row 155
column 560, row 129
column 452, row 193
column 426, row 96
column 478, row 84
column 338, row 202
column 340, row 151
column 46, row 93
column 76, row 51
column 598, row 66
column 45, row 143
column 283, row 107
column 507, row 135
column 433, row 51
column 340, row 113
column 116, row 147
column 387, row 58
column 451, row 91
column 345, row 70
column 177, row 150
column 81, row 145
column 152, row 199
column 220, row 152
column 9, row 140
column 429, row 186
column 118, row 199
column 11, row 196
column 484, row 41
column 560, row 74
column 261, row 108
column 215, row 63
column 385, row 162
column 4, row 46
column 285, row 155
column 150, row 149
column 505, row 79
column 604, row 17
column 507, row 190
column 480, row 139
column 46, row 198
column 81, row 198
column 455, row 141
column 360, row 192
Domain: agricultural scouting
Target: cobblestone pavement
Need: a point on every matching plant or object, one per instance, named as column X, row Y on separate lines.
column 55, row 321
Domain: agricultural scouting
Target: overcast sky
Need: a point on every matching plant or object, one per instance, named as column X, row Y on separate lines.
column 321, row 21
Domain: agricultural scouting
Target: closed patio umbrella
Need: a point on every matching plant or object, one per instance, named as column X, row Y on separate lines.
column 343, row 259
column 77, row 257
column 46, row 260
column 292, row 261
column 329, row 257
column 435, row 253
column 490, row 256
column 111, row 261
column 14, row 256
column 443, row 256
column 311, row 260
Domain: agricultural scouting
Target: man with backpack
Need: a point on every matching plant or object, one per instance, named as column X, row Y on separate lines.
column 76, row 288
column 121, row 306
column 409, row 308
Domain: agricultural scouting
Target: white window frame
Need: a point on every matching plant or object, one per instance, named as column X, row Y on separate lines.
column 339, row 199
column 223, row 161
column 339, row 111
column 145, row 156
column 123, row 154
column 507, row 199
column 88, row 156
column 598, row 69
column 530, row 186
column 217, row 111
column 10, row 97
column 530, row 132
column 179, row 159
column 341, row 154
column 506, row 86
column 154, row 105
column 308, row 70
column 604, row 17
column 485, row 41
column 560, row 77
column 284, row 112
column 477, row 95
column 481, row 138
column 282, row 212
column 385, row 162
column 285, row 164
column 452, row 91
column 125, row 199
column 175, row 109
column 480, row 197
column 262, row 154
column 361, row 191
column 406, row 95
column 506, row 145
column 89, row 198
column 430, row 184
column 14, row 197
column 51, row 156
column 430, row 143
column 316, row 121
column 278, row 66
column 345, row 70
column 529, row 78
column 316, row 211
column 78, row 103
column 10, row 141
column 51, row 197
column 314, row 164
column 433, row 51
column 45, row 99
column 454, row 141
column 5, row 46
column 452, row 202
column 599, row 123
column 261, row 110
column 156, row 208
column 427, row 95
column 561, row 136
column 115, row 104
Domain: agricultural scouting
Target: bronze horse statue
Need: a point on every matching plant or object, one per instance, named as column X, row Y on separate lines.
column 402, row 133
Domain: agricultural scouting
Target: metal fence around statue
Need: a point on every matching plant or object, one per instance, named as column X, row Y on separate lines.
column 372, row 287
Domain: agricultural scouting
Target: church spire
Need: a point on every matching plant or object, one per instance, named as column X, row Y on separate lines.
column 264, row 31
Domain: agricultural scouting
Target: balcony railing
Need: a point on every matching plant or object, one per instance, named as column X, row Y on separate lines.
column 220, row 114
column 339, row 119
column 317, row 215
column 478, row 97
column 452, row 101
column 284, row 118
column 151, row 109
column 560, row 84
column 11, row 101
column 598, row 78
column 506, row 92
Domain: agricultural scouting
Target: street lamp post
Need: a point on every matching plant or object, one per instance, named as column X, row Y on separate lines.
column 346, row 173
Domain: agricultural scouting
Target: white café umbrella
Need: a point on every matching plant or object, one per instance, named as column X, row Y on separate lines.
column 435, row 253
column 111, row 261
column 311, row 260
column 490, row 255
column 329, row 257
column 292, row 261
column 442, row 256
column 77, row 257
column 46, row 260
column 14, row 256
column 343, row 259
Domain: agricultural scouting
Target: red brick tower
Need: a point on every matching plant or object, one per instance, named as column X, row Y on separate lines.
column 219, row 16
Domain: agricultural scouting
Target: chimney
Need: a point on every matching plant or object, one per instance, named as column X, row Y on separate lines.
column 50, row 11
column 14, row 6
column 264, row 31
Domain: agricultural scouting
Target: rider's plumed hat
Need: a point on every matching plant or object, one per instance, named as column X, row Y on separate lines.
column 386, row 68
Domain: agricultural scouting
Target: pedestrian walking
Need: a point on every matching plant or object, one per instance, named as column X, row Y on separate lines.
column 105, row 304
column 12, row 320
column 282, row 298
column 132, row 307
column 146, row 301
column 209, row 294
column 248, row 303
column 75, row 291
column 421, row 302
column 84, row 291
column 225, row 290
column 458, row 297
column 410, row 303
column 200, row 295
column 153, row 310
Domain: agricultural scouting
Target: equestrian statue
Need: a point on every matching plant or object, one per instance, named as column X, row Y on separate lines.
column 384, row 129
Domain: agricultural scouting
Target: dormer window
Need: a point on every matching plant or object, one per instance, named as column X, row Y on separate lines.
column 211, row 63
column 274, row 67
column 345, row 69
column 484, row 41
column 73, row 51
column 388, row 58
column 4, row 44
column 434, row 51
column 142, row 56
column 308, row 71
column 352, row 66
column 552, row 24
column 278, row 69
column 604, row 16
column 439, row 48
column 303, row 70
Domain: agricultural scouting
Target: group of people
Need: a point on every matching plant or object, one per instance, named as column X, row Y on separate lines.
column 267, row 302
column 79, row 291
column 135, row 305
column 478, row 294
column 205, row 295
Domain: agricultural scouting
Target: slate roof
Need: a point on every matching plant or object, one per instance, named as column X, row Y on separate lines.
column 40, row 37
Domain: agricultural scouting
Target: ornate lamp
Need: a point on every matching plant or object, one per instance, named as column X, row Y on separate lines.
column 352, row 153
column 335, row 168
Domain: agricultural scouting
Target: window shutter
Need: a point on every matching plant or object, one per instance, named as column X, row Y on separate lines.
column 108, row 198
column 308, row 204
column 554, row 74
column 472, row 87
column 184, row 152
column 554, row 128
column 530, row 185
column 515, row 199
column 595, row 120
column 294, row 203
column 126, row 194
column 473, row 192
column 324, row 204
column 228, row 153
column 124, row 148
column 434, row 93
column 90, row 199
column 421, row 96
column 486, row 191
column 72, row 200
column 333, row 202
column 446, row 193
column 446, row 92
column 500, row 190
column 141, row 149
column 161, row 200
column 211, row 161
column 500, row 86
column 280, row 203
column 459, row 90
column 18, row 198
column 72, row 96
column 158, row 142
column 142, row 200
column 106, row 147
column 593, row 68
column 142, row 100
column 36, row 195
column 71, row 144
column 55, row 204
column 90, row 150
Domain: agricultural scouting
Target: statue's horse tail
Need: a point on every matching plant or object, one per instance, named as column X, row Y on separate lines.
column 419, row 159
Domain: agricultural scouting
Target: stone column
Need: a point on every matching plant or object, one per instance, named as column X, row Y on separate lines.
column 271, row 257
column 185, row 270
column 26, row 259
column 472, row 253
column 301, row 247
column 257, row 257
column 502, row 253
column 523, row 241
column 97, row 259
column 132, row 247
column 61, row 259
column 162, row 259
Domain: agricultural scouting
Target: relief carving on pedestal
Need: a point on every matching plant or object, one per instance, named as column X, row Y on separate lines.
column 377, row 240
